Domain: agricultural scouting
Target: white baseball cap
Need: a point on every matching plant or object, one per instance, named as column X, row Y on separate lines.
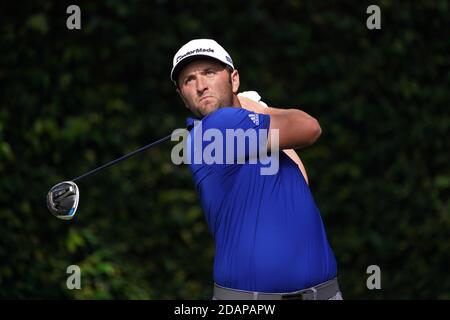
column 195, row 49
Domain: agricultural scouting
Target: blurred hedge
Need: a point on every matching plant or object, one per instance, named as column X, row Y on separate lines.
column 72, row 100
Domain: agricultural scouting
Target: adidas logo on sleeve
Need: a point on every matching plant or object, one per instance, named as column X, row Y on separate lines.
column 255, row 118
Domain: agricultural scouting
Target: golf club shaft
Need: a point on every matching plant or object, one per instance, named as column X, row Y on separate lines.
column 129, row 155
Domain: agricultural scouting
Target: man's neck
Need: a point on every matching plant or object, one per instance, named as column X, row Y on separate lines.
column 236, row 102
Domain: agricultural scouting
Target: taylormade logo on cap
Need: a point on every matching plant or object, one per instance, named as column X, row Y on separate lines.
column 201, row 48
column 196, row 51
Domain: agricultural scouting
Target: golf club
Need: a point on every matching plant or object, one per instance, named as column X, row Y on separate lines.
column 63, row 198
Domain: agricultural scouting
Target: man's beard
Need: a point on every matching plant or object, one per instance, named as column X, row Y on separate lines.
column 209, row 109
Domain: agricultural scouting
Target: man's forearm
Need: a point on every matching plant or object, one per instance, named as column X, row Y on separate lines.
column 287, row 112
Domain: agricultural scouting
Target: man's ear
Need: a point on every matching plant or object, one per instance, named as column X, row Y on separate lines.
column 235, row 81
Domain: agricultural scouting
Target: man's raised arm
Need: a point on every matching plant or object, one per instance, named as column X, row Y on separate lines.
column 297, row 129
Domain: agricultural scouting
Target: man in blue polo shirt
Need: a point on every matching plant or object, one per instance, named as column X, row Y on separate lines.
column 269, row 238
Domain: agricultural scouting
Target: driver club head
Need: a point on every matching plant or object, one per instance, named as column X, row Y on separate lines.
column 62, row 200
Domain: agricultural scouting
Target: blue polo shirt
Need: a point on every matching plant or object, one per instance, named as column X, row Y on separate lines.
column 267, row 229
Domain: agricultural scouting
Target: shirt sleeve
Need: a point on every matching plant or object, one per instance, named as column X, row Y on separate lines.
column 247, row 130
column 236, row 118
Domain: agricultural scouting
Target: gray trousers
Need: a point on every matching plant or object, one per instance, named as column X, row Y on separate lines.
column 338, row 296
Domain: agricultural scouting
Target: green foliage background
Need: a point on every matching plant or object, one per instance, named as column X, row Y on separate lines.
column 73, row 100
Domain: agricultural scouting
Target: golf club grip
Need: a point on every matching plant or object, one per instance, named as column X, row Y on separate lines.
column 129, row 155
